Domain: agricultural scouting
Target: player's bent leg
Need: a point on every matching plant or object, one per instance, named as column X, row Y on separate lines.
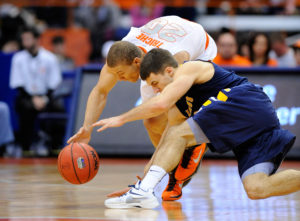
column 261, row 185
column 167, row 157
column 155, row 127
column 188, row 165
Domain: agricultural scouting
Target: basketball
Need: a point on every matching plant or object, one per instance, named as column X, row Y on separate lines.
column 78, row 163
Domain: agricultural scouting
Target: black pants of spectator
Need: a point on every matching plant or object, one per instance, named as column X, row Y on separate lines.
column 27, row 115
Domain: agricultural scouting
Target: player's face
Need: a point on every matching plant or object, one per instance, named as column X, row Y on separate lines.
column 126, row 72
column 159, row 81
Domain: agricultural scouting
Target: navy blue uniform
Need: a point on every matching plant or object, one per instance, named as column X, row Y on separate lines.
column 237, row 115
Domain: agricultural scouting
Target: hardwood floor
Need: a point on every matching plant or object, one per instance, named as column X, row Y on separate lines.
column 32, row 189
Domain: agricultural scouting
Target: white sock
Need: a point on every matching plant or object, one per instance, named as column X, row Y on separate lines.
column 152, row 178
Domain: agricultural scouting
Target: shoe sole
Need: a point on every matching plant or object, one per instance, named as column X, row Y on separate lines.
column 170, row 198
column 146, row 204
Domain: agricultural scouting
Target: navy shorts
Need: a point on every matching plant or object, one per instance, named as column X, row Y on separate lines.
column 242, row 119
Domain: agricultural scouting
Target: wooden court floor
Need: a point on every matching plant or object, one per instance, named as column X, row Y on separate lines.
column 32, row 189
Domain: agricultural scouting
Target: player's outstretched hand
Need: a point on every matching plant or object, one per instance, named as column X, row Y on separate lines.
column 83, row 136
column 109, row 122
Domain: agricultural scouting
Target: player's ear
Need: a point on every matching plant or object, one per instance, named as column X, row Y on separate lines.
column 170, row 71
column 137, row 61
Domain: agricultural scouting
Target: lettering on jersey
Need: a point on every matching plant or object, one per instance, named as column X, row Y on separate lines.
column 149, row 41
column 189, row 102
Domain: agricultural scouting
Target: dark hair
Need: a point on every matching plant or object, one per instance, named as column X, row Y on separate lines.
column 122, row 52
column 155, row 61
column 58, row 40
column 278, row 37
column 251, row 43
column 31, row 30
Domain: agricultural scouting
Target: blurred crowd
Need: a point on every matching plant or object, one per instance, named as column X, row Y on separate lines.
column 47, row 41
column 110, row 22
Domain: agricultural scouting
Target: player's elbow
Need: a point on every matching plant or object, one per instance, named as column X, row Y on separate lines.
column 160, row 107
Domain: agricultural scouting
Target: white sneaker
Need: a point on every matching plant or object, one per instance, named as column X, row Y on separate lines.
column 134, row 198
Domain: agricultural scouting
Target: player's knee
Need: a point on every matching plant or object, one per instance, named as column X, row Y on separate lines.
column 175, row 131
column 147, row 123
column 153, row 125
column 255, row 189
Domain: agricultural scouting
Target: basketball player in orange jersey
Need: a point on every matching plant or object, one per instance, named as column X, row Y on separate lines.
column 185, row 40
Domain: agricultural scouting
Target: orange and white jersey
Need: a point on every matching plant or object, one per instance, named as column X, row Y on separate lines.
column 174, row 34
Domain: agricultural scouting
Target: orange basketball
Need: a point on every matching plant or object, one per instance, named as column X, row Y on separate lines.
column 78, row 163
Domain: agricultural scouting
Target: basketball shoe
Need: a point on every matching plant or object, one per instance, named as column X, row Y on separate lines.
column 134, row 198
column 190, row 162
column 173, row 190
column 183, row 173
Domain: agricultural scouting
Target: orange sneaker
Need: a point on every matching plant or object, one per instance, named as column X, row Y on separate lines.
column 190, row 162
column 173, row 189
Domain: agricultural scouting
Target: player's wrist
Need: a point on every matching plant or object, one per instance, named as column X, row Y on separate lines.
column 123, row 119
column 88, row 128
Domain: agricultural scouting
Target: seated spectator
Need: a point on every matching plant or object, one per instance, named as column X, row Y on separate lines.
column 6, row 133
column 10, row 46
column 296, row 48
column 58, row 48
column 35, row 74
column 145, row 11
column 259, row 48
column 281, row 52
column 227, row 52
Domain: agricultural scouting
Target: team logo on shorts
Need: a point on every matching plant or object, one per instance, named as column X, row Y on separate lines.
column 80, row 163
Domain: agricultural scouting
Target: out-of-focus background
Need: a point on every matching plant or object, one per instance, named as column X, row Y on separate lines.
column 80, row 32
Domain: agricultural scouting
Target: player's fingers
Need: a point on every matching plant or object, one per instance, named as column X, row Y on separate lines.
column 98, row 123
column 76, row 136
column 72, row 139
column 103, row 128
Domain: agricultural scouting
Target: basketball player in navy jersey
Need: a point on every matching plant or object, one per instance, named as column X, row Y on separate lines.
column 208, row 104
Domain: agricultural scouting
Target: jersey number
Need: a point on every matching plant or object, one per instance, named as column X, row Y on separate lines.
column 168, row 32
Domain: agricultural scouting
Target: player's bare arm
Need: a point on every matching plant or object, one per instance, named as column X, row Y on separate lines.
column 182, row 56
column 185, row 77
column 95, row 105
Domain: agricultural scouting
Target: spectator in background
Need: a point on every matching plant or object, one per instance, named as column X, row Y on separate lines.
column 107, row 20
column 6, row 133
column 145, row 11
column 105, row 49
column 58, row 48
column 35, row 74
column 259, row 48
column 10, row 46
column 243, row 44
column 296, row 48
column 227, row 52
column 281, row 52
